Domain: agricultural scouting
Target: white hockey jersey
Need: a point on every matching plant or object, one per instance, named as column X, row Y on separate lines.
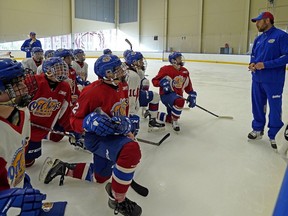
column 133, row 79
column 30, row 63
column 13, row 140
column 81, row 71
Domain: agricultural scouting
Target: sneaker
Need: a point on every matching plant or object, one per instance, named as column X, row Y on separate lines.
column 52, row 168
column 255, row 135
column 175, row 125
column 273, row 144
column 126, row 208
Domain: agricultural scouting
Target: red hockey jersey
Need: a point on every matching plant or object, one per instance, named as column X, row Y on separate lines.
column 181, row 79
column 113, row 101
column 48, row 106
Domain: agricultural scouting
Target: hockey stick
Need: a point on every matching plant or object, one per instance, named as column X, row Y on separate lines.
column 154, row 143
column 130, row 44
column 141, row 190
column 77, row 147
column 226, row 117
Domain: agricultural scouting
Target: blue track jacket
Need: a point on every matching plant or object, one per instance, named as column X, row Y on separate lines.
column 271, row 48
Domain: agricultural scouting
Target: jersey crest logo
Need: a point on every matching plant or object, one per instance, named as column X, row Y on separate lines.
column 271, row 41
column 178, row 81
column 119, row 108
column 44, row 107
column 16, row 170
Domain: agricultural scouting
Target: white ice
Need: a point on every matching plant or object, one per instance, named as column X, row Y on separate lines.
column 208, row 169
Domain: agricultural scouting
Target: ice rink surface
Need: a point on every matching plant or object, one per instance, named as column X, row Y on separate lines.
column 208, row 169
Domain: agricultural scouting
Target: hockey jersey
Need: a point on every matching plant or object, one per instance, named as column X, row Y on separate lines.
column 48, row 106
column 12, row 150
column 133, row 81
column 113, row 100
column 81, row 69
column 31, row 64
column 180, row 79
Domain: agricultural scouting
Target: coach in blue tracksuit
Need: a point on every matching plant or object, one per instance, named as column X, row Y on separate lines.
column 268, row 66
column 30, row 43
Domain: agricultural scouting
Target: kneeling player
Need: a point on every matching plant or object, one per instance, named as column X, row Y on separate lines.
column 107, row 135
column 16, row 193
column 172, row 80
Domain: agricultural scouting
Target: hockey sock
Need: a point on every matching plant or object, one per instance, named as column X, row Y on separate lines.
column 124, row 169
column 153, row 109
column 82, row 171
column 177, row 108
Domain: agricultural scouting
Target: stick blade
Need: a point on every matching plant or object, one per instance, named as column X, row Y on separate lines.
column 226, row 117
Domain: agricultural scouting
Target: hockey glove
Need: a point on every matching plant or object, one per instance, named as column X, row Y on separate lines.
column 122, row 125
column 192, row 99
column 27, row 181
column 167, row 84
column 135, row 124
column 28, row 199
column 100, row 124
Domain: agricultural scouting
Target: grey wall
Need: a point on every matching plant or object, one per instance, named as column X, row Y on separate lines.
column 46, row 18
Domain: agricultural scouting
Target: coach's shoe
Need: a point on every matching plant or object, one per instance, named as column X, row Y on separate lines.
column 255, row 135
column 273, row 144
column 126, row 208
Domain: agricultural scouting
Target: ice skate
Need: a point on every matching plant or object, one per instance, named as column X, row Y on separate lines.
column 273, row 144
column 155, row 126
column 175, row 126
column 52, row 168
column 146, row 114
column 126, row 208
column 255, row 135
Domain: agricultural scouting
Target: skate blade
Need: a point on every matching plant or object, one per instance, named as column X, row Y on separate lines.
column 47, row 165
column 155, row 129
column 77, row 148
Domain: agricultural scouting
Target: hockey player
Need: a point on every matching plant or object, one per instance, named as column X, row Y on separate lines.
column 36, row 60
column 172, row 80
column 17, row 87
column 138, row 85
column 107, row 52
column 107, row 135
column 66, row 55
column 81, row 68
column 47, row 54
column 50, row 104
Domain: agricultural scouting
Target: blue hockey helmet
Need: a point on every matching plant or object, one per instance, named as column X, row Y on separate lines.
column 62, row 53
column 19, row 84
column 126, row 52
column 136, row 59
column 79, row 55
column 173, row 56
column 49, row 54
column 133, row 57
column 109, row 67
column 37, row 50
column 107, row 51
column 55, row 67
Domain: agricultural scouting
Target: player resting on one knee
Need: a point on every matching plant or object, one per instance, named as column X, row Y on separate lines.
column 108, row 136
column 139, row 95
column 172, row 80
column 17, row 196
column 51, row 103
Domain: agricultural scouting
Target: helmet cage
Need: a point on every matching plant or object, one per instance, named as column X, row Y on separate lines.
column 21, row 89
column 59, row 71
